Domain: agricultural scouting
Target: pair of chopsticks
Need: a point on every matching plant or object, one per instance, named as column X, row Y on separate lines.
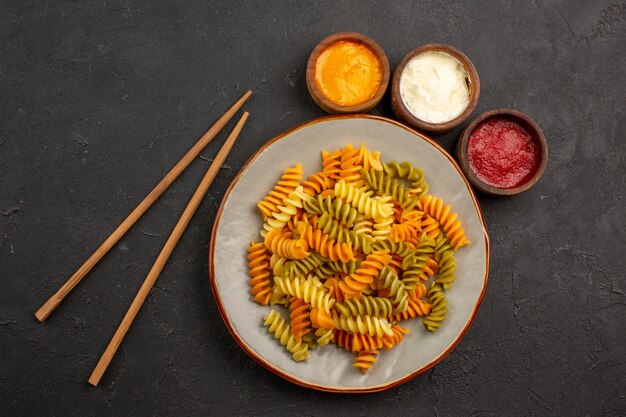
column 53, row 302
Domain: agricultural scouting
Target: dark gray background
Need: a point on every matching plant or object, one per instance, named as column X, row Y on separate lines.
column 100, row 98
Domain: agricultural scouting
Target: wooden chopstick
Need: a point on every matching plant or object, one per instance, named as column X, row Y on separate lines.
column 169, row 246
column 53, row 302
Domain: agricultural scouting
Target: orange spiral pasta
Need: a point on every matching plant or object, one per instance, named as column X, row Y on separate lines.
column 354, row 284
column 288, row 182
column 258, row 263
column 300, row 317
column 286, row 247
column 351, row 253
column 318, row 183
column 447, row 219
column 365, row 359
column 323, row 244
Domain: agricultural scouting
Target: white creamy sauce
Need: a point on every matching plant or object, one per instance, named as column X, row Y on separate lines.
column 434, row 87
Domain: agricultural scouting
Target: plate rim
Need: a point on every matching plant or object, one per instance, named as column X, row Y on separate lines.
column 283, row 374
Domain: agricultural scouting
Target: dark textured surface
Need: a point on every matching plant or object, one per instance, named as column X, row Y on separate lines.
column 99, row 99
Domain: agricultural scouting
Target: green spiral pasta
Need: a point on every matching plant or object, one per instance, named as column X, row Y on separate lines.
column 402, row 249
column 344, row 213
column 303, row 267
column 444, row 255
column 439, row 310
column 384, row 184
column 333, row 267
column 397, row 291
column 282, row 332
column 415, row 263
column 407, row 171
column 365, row 305
column 331, row 227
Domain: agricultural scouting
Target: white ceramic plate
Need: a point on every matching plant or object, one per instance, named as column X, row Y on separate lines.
column 238, row 222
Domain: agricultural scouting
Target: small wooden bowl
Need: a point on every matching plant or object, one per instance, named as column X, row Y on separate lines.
column 320, row 98
column 403, row 113
column 524, row 121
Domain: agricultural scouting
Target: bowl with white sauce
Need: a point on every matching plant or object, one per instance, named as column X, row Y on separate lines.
column 434, row 88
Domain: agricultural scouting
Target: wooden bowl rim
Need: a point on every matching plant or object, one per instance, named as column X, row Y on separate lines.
column 526, row 122
column 330, row 106
column 474, row 85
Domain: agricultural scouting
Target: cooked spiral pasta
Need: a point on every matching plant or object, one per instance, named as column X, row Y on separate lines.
column 374, row 326
column 362, row 201
column 323, row 244
column 282, row 331
column 258, row 264
column 407, row 171
column 349, row 253
column 287, row 183
column 446, row 218
column 366, row 305
column 305, row 289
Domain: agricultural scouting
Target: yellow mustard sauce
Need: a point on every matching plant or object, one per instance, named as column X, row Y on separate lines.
column 348, row 73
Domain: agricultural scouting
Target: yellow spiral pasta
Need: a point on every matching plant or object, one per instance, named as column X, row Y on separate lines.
column 305, row 289
column 374, row 326
column 288, row 182
column 282, row 331
column 278, row 219
column 362, row 200
column 350, row 253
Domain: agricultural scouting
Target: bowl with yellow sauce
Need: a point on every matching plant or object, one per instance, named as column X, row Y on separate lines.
column 347, row 72
column 434, row 88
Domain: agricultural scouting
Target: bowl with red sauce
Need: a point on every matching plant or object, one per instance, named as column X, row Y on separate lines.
column 502, row 152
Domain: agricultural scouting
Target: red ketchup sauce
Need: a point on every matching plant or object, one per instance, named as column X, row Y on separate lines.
column 502, row 153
